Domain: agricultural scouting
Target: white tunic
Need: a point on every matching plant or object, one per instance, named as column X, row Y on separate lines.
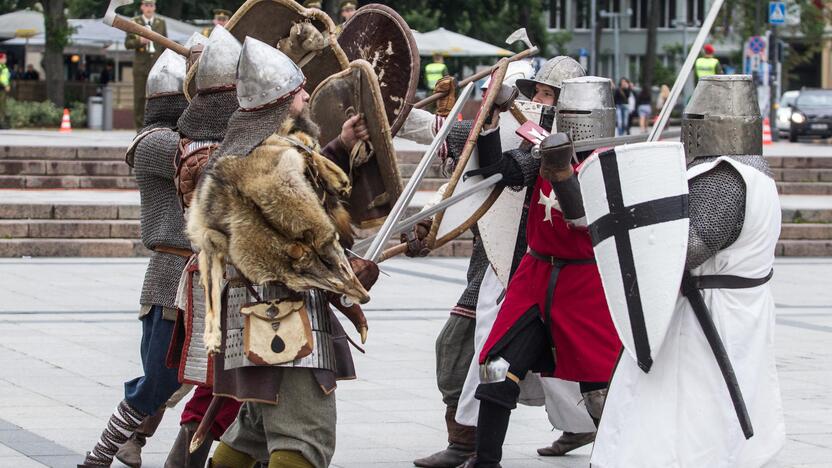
column 680, row 414
column 562, row 399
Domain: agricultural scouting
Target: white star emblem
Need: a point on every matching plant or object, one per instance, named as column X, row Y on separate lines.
column 549, row 202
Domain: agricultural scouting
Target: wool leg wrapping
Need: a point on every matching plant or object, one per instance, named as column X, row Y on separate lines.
column 121, row 426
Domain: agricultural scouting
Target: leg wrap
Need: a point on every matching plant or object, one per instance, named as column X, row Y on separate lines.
column 462, row 436
column 594, row 401
column 288, row 459
column 120, row 427
column 227, row 457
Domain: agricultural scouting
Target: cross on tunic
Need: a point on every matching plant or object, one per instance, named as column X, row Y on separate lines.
column 617, row 224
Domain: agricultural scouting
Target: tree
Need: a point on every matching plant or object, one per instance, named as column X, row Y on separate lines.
column 649, row 67
column 57, row 32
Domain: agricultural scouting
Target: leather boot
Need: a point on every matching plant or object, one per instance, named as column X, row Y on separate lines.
column 492, row 426
column 472, row 463
column 180, row 455
column 567, row 442
column 131, row 452
column 461, row 442
column 594, row 402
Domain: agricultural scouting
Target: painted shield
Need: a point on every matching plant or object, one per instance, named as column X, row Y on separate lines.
column 636, row 201
column 500, row 226
column 277, row 21
column 458, row 218
column 376, row 184
column 377, row 34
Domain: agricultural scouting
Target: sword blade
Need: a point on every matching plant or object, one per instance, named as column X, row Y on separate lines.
column 684, row 73
column 590, row 145
column 411, row 221
column 401, row 204
column 706, row 322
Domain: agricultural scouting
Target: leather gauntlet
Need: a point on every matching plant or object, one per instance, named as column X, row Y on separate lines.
column 556, row 155
column 445, row 103
column 415, row 239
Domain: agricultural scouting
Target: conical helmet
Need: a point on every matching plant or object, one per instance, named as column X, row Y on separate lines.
column 218, row 63
column 195, row 40
column 265, row 75
column 167, row 75
column 585, row 108
column 553, row 73
column 723, row 118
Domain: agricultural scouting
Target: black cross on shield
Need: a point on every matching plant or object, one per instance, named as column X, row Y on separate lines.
column 617, row 224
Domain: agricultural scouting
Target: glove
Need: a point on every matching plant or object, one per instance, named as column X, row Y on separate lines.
column 415, row 239
column 365, row 270
column 556, row 155
column 445, row 103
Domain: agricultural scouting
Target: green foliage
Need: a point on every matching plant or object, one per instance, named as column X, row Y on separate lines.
column 559, row 41
column 27, row 114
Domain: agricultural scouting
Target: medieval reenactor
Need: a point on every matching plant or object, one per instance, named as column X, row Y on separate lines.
column 279, row 349
column 677, row 411
column 152, row 156
column 554, row 318
column 202, row 127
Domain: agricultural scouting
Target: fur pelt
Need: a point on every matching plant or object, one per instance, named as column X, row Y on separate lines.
column 276, row 215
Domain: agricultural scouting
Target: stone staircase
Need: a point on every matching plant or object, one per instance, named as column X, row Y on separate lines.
column 59, row 224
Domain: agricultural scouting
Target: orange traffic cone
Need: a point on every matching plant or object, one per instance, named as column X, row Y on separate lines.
column 767, row 132
column 66, row 124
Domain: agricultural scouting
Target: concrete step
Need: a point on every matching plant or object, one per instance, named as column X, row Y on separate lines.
column 43, row 167
column 802, row 175
column 804, row 248
column 409, row 157
column 63, row 152
column 17, row 211
column 804, row 188
column 406, row 170
column 72, row 248
column 70, row 229
column 808, row 162
column 806, row 216
column 806, row 231
column 66, row 182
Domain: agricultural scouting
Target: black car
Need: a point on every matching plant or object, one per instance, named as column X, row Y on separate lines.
column 812, row 114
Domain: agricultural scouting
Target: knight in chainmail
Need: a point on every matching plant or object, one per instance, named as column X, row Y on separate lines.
column 288, row 413
column 163, row 232
column 734, row 227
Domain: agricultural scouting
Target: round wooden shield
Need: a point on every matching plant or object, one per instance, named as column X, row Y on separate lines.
column 380, row 36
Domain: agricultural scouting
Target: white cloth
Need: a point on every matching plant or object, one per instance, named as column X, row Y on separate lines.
column 680, row 414
column 562, row 399
column 418, row 127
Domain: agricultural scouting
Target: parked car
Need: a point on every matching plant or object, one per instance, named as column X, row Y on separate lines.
column 784, row 111
column 812, row 114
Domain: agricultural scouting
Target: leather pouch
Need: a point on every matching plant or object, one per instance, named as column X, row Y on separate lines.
column 276, row 331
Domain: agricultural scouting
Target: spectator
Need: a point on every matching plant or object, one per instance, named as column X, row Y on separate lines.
column 81, row 73
column 31, row 74
column 622, row 107
column 644, row 109
column 17, row 73
column 435, row 71
column 5, row 87
column 106, row 75
column 664, row 93
column 707, row 65
column 146, row 54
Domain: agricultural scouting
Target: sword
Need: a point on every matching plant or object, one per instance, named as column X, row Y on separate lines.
column 207, row 420
column 112, row 19
column 375, row 249
column 684, row 73
column 591, row 145
column 703, row 316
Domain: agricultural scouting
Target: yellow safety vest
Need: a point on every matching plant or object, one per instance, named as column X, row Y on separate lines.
column 434, row 72
column 706, row 66
column 4, row 76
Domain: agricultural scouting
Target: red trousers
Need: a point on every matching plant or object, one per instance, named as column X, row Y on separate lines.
column 198, row 404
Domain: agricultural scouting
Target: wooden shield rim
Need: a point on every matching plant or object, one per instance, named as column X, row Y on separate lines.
column 470, row 143
column 414, row 57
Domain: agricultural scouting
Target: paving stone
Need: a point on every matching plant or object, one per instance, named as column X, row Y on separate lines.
column 86, row 212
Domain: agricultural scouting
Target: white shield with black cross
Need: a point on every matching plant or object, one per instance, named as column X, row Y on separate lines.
column 636, row 202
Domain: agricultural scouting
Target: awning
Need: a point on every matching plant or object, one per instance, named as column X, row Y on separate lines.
column 451, row 44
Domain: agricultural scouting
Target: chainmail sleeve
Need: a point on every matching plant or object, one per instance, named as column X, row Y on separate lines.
column 717, row 212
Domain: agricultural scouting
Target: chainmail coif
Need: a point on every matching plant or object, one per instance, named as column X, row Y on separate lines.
column 162, row 223
column 206, row 118
column 163, row 111
column 247, row 129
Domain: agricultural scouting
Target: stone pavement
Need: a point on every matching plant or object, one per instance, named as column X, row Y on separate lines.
column 70, row 339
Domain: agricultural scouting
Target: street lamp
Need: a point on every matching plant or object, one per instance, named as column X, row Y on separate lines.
column 684, row 24
column 616, row 25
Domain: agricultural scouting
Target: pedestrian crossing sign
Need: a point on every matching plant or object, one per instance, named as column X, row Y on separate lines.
column 777, row 12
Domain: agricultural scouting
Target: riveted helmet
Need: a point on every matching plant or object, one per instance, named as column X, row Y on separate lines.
column 585, row 108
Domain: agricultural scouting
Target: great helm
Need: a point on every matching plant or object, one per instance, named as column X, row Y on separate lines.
column 585, row 108
column 218, row 63
column 265, row 75
column 167, row 75
column 723, row 118
column 553, row 73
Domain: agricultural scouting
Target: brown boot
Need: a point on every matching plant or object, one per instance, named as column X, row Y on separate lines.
column 567, row 442
column 131, row 452
column 461, row 442
column 594, row 402
column 180, row 455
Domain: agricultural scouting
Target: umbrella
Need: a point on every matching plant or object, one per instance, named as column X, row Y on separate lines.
column 451, row 44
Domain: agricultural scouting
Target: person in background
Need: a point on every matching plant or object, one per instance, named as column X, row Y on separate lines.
column 707, row 65
column 221, row 17
column 664, row 93
column 312, row 4
column 347, row 10
column 106, row 75
column 17, row 73
column 31, row 74
column 81, row 74
column 643, row 108
column 435, row 71
column 146, row 54
column 5, row 87
column 622, row 107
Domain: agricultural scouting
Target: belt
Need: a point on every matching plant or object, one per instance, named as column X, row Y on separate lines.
column 178, row 251
column 726, row 281
column 557, row 265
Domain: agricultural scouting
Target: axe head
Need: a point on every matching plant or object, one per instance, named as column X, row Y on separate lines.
column 519, row 35
column 110, row 15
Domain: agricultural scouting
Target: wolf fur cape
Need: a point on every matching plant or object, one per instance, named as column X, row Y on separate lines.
column 276, row 215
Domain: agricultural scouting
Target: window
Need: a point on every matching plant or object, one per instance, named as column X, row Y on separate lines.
column 557, row 14
column 639, row 18
column 696, row 11
column 582, row 20
column 609, row 6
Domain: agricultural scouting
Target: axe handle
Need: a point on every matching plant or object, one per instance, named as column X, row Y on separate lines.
column 475, row 77
column 147, row 33
column 392, row 252
column 206, row 423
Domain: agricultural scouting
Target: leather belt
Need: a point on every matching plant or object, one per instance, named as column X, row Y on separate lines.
column 726, row 281
column 557, row 265
column 178, row 251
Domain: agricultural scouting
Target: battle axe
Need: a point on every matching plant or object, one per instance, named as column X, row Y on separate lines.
column 118, row 22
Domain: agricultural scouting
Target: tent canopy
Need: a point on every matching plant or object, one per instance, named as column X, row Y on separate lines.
column 451, row 44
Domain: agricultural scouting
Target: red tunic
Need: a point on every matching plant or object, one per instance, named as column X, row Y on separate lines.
column 586, row 342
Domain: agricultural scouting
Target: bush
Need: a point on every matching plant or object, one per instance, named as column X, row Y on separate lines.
column 27, row 114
